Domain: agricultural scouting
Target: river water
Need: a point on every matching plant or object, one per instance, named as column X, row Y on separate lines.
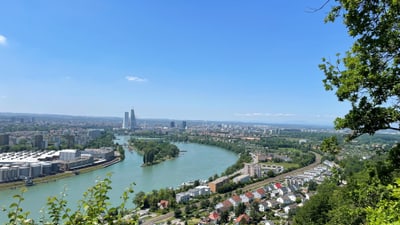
column 196, row 162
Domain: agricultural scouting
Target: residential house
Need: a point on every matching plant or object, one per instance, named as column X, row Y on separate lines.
column 274, row 193
column 292, row 197
column 263, row 206
column 269, row 188
column 225, row 206
column 277, row 185
column 247, row 197
column 289, row 208
column 182, row 197
column 259, row 193
column 284, row 200
column 242, row 219
column 294, row 188
column 272, row 204
column 214, row 216
column 283, row 191
column 163, row 204
column 309, row 195
column 235, row 200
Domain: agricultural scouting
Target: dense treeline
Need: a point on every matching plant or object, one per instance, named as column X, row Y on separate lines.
column 106, row 139
column 150, row 200
column 302, row 158
column 244, row 158
column 155, row 151
column 231, row 146
column 121, row 151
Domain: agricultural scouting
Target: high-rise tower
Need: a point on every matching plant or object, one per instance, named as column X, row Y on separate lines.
column 133, row 120
column 125, row 123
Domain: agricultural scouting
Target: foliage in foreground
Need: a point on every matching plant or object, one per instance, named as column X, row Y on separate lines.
column 368, row 76
column 93, row 208
column 371, row 196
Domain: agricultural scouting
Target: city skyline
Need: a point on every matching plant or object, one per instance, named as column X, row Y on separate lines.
column 216, row 61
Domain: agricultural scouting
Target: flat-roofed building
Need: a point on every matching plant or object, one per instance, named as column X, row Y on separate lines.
column 218, row 183
column 69, row 154
column 106, row 153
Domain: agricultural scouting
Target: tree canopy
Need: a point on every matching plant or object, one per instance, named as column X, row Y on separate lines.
column 368, row 76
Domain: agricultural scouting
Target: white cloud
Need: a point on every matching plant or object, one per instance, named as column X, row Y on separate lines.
column 135, row 79
column 257, row 114
column 3, row 40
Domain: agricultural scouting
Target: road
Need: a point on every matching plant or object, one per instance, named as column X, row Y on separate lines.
column 254, row 186
column 250, row 187
column 158, row 219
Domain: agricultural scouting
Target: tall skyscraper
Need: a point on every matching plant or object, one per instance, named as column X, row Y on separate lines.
column 125, row 122
column 133, row 120
column 4, row 139
column 38, row 141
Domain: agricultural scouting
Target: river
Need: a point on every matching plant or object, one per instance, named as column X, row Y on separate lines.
column 196, row 162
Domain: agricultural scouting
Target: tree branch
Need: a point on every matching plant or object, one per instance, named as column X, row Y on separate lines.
column 313, row 10
column 394, row 128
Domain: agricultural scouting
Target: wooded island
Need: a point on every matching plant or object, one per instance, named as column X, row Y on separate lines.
column 154, row 151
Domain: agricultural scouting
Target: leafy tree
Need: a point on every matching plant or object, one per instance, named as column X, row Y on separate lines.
column 317, row 208
column 240, row 209
column 205, row 203
column 188, row 210
column 270, row 173
column 93, row 208
column 387, row 211
column 312, row 186
column 330, row 145
column 139, row 199
column 368, row 76
column 178, row 213
column 224, row 217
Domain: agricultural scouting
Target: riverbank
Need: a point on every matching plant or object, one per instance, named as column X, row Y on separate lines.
column 55, row 177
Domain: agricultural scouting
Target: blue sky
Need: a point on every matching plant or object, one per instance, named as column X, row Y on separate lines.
column 177, row 59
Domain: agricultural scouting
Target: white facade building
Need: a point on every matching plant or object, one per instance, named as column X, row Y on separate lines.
column 69, row 154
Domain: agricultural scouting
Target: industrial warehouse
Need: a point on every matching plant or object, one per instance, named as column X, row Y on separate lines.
column 26, row 165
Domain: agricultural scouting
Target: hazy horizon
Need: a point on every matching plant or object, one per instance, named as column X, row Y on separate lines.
column 215, row 61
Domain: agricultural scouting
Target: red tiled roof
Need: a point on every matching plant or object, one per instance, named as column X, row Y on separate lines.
column 249, row 195
column 214, row 216
column 164, row 203
column 243, row 217
column 236, row 198
column 261, row 191
column 278, row 185
column 227, row 203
